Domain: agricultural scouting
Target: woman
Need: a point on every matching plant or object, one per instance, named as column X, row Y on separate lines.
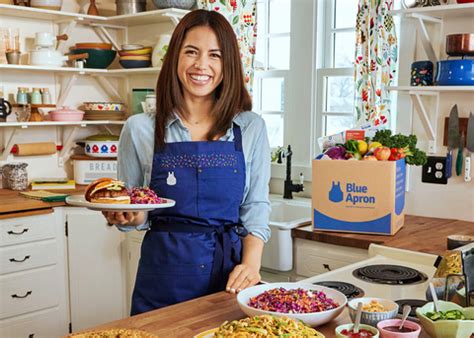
column 205, row 150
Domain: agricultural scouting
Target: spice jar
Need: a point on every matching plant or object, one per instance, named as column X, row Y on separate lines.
column 15, row 176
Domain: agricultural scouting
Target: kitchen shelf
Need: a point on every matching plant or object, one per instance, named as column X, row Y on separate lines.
column 433, row 89
column 68, row 135
column 143, row 18
column 83, row 71
column 439, row 12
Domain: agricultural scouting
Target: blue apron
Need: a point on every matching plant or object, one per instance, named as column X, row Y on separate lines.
column 192, row 247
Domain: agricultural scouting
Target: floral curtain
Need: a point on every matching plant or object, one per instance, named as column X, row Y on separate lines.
column 241, row 15
column 375, row 61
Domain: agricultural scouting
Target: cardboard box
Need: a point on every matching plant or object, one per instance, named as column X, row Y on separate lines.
column 359, row 196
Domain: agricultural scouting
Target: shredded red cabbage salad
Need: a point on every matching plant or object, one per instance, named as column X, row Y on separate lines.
column 292, row 301
column 144, row 196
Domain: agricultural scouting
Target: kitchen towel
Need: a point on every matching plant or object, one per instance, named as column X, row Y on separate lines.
column 29, row 149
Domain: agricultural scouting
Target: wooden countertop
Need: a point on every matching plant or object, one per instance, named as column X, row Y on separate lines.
column 11, row 202
column 195, row 316
column 424, row 234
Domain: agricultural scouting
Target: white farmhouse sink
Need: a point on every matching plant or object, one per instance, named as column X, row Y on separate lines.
column 285, row 215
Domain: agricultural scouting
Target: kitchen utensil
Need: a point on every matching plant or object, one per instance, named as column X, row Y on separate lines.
column 455, row 72
column 455, row 241
column 160, row 50
column 348, row 327
column 141, row 51
column 92, row 10
column 94, row 45
column 104, row 106
column 135, row 63
column 40, row 148
column 421, row 73
column 130, row 6
column 138, row 96
column 132, row 47
column 66, row 114
column 459, row 158
column 96, row 58
column 372, row 318
column 5, row 109
column 88, row 169
column 13, row 57
column 183, row 4
column 453, row 138
column 102, row 146
column 385, row 332
column 15, row 176
column 409, row 3
column 357, row 319
column 52, row 58
column 470, row 147
column 435, row 297
column 54, row 5
column 406, row 312
column 47, row 39
column 460, row 44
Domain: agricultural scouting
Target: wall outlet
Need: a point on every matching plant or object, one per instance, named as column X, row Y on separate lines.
column 434, row 170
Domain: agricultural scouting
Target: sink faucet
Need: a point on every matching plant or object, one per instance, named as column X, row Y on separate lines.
column 289, row 187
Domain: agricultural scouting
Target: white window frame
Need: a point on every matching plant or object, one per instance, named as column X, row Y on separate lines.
column 265, row 72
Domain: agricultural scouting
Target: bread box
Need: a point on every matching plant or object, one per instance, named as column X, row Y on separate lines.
column 88, row 169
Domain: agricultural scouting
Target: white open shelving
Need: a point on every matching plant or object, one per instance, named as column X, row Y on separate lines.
column 433, row 89
column 83, row 71
column 439, row 12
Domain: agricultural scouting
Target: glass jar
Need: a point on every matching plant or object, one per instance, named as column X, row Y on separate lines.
column 36, row 96
column 22, row 95
column 15, row 176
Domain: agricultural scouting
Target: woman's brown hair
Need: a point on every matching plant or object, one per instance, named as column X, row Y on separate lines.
column 231, row 96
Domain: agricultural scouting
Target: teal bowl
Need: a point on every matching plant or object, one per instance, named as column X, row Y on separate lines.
column 135, row 63
column 98, row 58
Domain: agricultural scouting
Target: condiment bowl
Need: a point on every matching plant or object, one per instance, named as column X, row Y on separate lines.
column 313, row 319
column 349, row 327
column 372, row 318
column 396, row 322
column 446, row 328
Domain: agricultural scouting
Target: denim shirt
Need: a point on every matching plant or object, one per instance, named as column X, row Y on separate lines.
column 135, row 158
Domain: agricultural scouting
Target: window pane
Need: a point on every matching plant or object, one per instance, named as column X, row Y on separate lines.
column 336, row 124
column 344, row 49
column 279, row 53
column 275, row 129
column 273, row 96
column 261, row 19
column 346, row 13
column 260, row 53
column 280, row 16
column 340, row 94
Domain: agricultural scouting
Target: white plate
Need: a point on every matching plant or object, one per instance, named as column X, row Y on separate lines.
column 80, row 201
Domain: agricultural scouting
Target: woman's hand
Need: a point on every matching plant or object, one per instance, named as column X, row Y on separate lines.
column 243, row 276
column 124, row 218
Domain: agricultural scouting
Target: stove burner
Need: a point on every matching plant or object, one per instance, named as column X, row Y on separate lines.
column 349, row 290
column 414, row 303
column 389, row 274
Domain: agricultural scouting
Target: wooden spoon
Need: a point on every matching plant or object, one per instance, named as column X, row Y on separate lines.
column 357, row 319
column 435, row 297
column 406, row 312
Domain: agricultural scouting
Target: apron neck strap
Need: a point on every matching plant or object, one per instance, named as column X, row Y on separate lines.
column 237, row 137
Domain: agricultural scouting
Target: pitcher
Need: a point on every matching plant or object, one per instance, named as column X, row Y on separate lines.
column 5, row 109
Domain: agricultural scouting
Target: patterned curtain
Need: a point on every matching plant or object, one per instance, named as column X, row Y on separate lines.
column 241, row 15
column 375, row 61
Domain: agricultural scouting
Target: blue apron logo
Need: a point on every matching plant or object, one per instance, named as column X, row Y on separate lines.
column 335, row 194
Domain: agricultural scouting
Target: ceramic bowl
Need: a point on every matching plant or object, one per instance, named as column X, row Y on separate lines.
column 182, row 4
column 455, row 72
column 96, row 45
column 313, row 319
column 135, row 63
column 372, row 318
column 66, row 114
column 104, row 106
column 98, row 58
column 446, row 328
column 349, row 327
column 141, row 51
column 136, row 57
column 129, row 47
column 102, row 146
column 396, row 322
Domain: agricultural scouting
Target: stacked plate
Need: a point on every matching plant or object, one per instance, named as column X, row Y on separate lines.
column 114, row 111
column 135, row 56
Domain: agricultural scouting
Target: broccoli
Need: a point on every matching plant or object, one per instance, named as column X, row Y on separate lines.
column 413, row 155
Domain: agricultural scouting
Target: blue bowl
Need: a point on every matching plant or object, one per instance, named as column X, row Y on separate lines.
column 455, row 73
column 135, row 63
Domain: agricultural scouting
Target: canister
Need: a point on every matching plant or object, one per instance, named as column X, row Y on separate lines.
column 15, row 176
column 422, row 73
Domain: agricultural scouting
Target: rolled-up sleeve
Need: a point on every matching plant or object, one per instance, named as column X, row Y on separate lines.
column 255, row 208
column 129, row 167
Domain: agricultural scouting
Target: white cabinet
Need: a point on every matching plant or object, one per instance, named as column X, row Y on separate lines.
column 33, row 288
column 96, row 269
column 313, row 258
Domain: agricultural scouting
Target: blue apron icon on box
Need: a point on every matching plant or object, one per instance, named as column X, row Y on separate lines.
column 335, row 194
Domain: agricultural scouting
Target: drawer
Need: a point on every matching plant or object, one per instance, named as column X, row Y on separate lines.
column 28, row 256
column 29, row 291
column 42, row 324
column 26, row 229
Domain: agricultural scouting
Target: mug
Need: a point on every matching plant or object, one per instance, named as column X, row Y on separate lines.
column 149, row 106
column 5, row 109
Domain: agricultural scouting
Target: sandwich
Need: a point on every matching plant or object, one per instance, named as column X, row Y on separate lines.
column 107, row 190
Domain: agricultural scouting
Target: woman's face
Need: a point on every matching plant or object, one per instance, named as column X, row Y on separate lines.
column 200, row 63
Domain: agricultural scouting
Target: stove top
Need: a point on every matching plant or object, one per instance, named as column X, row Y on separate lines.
column 349, row 290
column 389, row 274
column 414, row 303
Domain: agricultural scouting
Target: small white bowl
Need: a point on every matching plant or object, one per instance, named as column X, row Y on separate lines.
column 372, row 318
column 313, row 319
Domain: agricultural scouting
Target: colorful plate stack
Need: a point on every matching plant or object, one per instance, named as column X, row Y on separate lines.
column 104, row 111
column 135, row 56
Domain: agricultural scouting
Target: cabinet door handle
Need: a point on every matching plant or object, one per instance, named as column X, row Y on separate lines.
column 24, row 296
column 327, row 267
column 11, row 232
column 19, row 260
